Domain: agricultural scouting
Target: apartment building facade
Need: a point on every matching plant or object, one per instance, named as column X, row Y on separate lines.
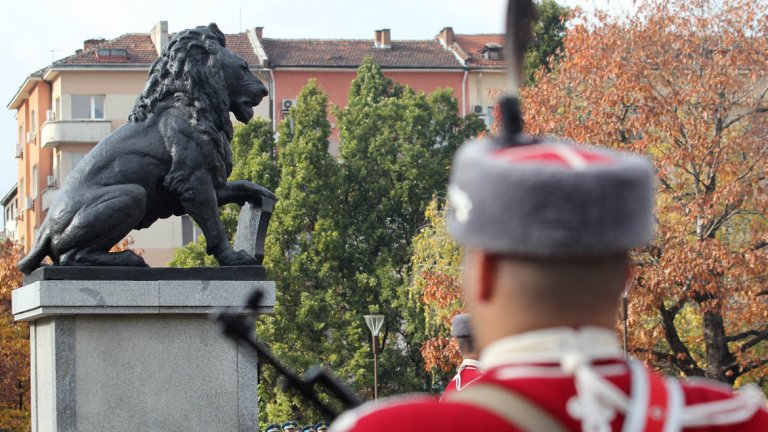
column 483, row 61
column 10, row 210
column 421, row 64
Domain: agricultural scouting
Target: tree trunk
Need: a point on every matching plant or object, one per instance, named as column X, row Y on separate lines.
column 718, row 357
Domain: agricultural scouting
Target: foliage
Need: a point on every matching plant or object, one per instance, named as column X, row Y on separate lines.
column 547, row 42
column 434, row 291
column 253, row 147
column 14, row 346
column 300, row 253
column 685, row 83
column 396, row 147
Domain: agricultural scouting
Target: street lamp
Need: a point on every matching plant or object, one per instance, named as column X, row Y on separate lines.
column 374, row 323
column 625, row 318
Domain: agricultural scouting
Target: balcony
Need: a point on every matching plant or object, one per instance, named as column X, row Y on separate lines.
column 54, row 133
column 49, row 196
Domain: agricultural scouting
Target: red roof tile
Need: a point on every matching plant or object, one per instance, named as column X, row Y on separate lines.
column 428, row 54
column 473, row 46
column 141, row 51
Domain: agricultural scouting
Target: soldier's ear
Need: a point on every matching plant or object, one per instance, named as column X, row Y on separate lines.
column 487, row 270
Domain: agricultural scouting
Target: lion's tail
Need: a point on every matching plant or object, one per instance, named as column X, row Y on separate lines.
column 35, row 256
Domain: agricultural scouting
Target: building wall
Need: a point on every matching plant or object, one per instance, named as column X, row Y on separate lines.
column 483, row 89
column 10, row 211
column 335, row 83
column 35, row 164
column 120, row 89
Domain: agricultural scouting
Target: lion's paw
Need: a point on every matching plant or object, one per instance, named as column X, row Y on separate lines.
column 236, row 258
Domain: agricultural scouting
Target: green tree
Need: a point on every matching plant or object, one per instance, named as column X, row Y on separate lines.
column 308, row 326
column 253, row 149
column 433, row 295
column 548, row 33
column 396, row 146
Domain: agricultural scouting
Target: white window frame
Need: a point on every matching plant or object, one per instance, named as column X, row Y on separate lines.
column 92, row 114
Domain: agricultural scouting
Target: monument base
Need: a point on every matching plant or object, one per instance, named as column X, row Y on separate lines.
column 138, row 355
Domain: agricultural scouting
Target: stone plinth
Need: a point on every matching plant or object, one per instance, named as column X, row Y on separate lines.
column 120, row 355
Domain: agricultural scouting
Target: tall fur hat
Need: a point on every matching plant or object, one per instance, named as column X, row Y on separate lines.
column 461, row 326
column 550, row 199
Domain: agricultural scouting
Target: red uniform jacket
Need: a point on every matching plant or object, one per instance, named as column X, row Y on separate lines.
column 468, row 372
column 578, row 377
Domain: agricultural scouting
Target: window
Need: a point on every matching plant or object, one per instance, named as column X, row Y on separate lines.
column 33, row 123
column 87, row 107
column 112, row 52
column 56, row 165
column 21, row 134
column 75, row 158
column 57, row 109
column 492, row 51
column 33, row 192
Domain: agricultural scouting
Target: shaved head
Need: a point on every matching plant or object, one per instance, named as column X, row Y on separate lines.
column 507, row 295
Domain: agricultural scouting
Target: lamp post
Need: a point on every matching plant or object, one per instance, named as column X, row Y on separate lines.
column 20, row 393
column 625, row 319
column 374, row 323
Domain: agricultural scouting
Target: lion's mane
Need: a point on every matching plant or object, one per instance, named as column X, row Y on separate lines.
column 189, row 77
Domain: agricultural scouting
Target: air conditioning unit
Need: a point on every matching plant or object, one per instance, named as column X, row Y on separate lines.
column 29, row 203
column 51, row 181
column 50, row 115
column 477, row 109
column 29, row 136
column 19, row 150
column 287, row 104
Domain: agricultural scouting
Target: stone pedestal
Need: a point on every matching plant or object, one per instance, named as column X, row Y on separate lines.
column 127, row 355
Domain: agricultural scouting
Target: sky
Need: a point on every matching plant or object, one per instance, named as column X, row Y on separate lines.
column 35, row 33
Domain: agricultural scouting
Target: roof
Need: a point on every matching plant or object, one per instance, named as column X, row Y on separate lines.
column 141, row 51
column 9, row 196
column 23, row 92
column 473, row 45
column 349, row 53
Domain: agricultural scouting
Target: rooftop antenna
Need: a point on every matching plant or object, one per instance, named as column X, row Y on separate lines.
column 52, row 51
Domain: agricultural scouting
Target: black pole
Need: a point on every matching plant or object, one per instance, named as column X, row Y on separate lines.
column 375, row 340
column 625, row 318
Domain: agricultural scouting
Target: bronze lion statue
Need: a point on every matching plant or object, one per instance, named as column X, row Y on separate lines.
column 173, row 157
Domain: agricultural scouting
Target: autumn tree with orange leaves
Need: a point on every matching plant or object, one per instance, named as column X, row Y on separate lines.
column 14, row 347
column 684, row 82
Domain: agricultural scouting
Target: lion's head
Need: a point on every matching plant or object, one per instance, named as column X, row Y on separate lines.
column 199, row 75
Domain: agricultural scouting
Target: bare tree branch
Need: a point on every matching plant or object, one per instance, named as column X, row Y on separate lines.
column 755, row 340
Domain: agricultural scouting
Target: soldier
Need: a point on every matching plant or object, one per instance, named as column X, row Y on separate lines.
column 469, row 370
column 290, row 426
column 308, row 428
column 321, row 426
column 546, row 229
column 273, row 428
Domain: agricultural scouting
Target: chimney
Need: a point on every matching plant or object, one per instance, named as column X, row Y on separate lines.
column 259, row 32
column 446, row 37
column 385, row 41
column 159, row 36
column 90, row 44
column 377, row 39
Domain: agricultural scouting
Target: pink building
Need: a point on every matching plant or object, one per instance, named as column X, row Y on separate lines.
column 424, row 65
